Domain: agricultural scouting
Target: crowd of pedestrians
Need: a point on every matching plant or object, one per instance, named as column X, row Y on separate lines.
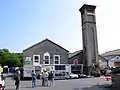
column 47, row 78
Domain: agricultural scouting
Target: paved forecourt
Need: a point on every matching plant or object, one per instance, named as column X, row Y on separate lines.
column 74, row 84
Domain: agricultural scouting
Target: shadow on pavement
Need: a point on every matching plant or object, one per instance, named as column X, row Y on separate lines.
column 31, row 86
column 11, row 89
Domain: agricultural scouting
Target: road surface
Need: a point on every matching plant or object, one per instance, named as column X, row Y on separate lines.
column 73, row 84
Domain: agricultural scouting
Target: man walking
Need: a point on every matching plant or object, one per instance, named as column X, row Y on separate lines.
column 33, row 79
column 17, row 79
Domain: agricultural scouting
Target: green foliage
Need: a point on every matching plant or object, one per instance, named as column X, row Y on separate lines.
column 10, row 59
column 115, row 70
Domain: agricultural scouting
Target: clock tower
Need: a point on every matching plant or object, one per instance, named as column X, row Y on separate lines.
column 89, row 35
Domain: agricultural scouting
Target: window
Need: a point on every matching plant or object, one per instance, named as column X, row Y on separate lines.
column 36, row 58
column 91, row 18
column 46, row 58
column 56, row 59
column 60, row 67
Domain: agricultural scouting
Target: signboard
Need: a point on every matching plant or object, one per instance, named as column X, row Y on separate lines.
column 28, row 69
column 75, row 61
column 28, row 60
column 117, row 64
column 48, row 69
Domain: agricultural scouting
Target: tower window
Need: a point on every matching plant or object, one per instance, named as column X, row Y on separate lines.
column 91, row 18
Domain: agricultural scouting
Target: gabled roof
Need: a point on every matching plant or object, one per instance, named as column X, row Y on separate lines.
column 104, row 58
column 44, row 41
column 112, row 53
column 74, row 53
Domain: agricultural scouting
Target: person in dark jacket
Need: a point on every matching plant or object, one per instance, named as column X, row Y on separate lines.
column 17, row 79
column 42, row 79
column 51, row 78
column 33, row 74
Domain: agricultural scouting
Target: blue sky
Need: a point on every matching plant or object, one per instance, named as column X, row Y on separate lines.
column 26, row 22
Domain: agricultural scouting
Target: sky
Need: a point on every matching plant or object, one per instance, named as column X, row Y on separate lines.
column 26, row 22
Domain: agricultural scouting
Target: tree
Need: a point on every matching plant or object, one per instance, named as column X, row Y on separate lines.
column 20, row 56
column 4, row 53
column 10, row 59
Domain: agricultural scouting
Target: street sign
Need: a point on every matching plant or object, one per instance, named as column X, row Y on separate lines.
column 28, row 60
column 75, row 61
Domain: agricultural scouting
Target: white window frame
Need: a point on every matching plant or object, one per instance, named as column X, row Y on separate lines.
column 34, row 60
column 46, row 54
column 58, row 57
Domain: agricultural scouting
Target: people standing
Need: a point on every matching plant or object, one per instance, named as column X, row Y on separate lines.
column 17, row 79
column 42, row 79
column 51, row 78
column 33, row 74
column 45, row 78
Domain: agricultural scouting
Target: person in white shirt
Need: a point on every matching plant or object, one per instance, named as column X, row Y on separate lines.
column 45, row 78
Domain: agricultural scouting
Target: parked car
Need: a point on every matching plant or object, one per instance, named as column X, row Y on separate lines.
column 82, row 76
column 73, row 75
column 5, row 69
column 67, row 75
column 88, row 76
column 107, row 76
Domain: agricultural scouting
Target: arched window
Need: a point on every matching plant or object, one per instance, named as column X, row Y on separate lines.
column 46, row 58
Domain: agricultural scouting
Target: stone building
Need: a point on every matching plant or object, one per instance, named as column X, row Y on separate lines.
column 51, row 56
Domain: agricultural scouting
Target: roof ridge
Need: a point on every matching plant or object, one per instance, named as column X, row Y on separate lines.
column 111, row 51
column 43, row 41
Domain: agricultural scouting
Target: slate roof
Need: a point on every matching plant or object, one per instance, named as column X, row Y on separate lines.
column 44, row 41
column 112, row 53
column 74, row 53
column 105, row 58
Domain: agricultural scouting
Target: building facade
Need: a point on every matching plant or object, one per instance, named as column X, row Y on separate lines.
column 51, row 56
column 110, row 59
column 45, row 53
